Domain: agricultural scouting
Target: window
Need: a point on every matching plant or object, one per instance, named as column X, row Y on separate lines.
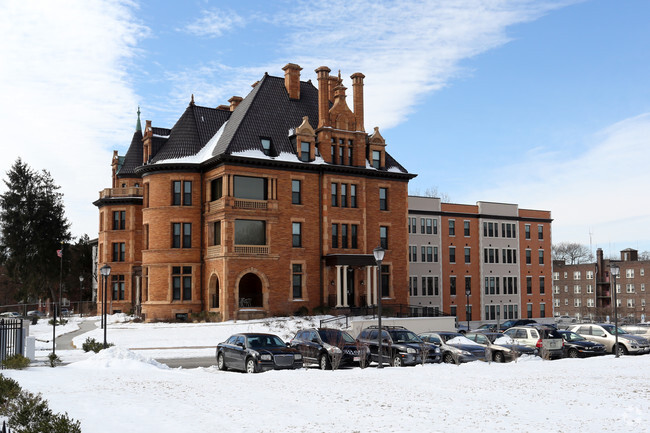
column 118, row 287
column 296, row 187
column 383, row 237
column 529, row 311
column 344, row 195
column 590, row 303
column 527, row 231
column 556, row 276
column 576, row 302
column 422, row 226
column 528, row 258
column 542, row 310
column 119, row 220
column 344, row 235
column 590, row 288
column 467, row 255
column 119, row 251
column 216, row 189
column 540, row 232
column 452, row 254
column 182, row 283
column 466, row 228
column 629, row 288
column 413, row 286
column 385, row 281
column 590, row 275
column 335, row 195
column 629, row 273
column 353, row 236
column 577, row 289
column 216, row 233
column 452, row 285
column 577, row 275
column 413, row 254
column 333, row 153
column 435, row 286
column 296, row 235
column 304, row 151
column 376, row 159
column 468, row 284
column 541, row 257
column 250, row 188
column 412, row 224
column 429, row 223
column 452, row 310
column 435, row 254
column 250, row 232
column 542, row 289
column 452, row 228
column 529, row 285
column 353, row 196
column 429, row 254
column 266, row 145
column 641, row 272
column 335, row 235
column 296, row 281
column 435, row 226
column 383, row 198
column 182, row 193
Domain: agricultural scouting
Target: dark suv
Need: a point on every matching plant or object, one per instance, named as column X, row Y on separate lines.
column 330, row 348
column 399, row 346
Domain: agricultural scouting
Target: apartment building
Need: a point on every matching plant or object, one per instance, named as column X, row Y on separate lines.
column 270, row 205
column 487, row 262
column 585, row 291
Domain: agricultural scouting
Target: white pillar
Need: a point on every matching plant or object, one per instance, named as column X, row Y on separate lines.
column 338, row 286
column 374, row 285
column 345, row 285
column 368, row 286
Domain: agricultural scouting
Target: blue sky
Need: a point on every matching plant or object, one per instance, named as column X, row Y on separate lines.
column 541, row 103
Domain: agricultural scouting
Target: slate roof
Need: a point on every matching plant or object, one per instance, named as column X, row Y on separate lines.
column 133, row 157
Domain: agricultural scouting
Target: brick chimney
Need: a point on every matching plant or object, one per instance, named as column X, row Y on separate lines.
column 323, row 96
column 333, row 82
column 292, row 80
column 234, row 102
column 357, row 94
column 146, row 142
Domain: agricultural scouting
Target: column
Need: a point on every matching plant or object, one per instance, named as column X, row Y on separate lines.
column 368, row 286
column 345, row 285
column 374, row 285
column 338, row 286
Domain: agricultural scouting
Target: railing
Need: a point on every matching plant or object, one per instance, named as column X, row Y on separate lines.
column 12, row 338
column 132, row 191
column 250, row 204
column 252, row 249
column 216, row 205
column 214, row 251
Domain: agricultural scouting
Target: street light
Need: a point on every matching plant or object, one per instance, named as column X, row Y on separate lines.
column 614, row 271
column 81, row 280
column 379, row 256
column 468, row 292
column 105, row 271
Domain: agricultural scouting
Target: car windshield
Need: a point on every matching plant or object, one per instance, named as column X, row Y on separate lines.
column 264, row 341
column 613, row 330
column 572, row 336
column 449, row 336
column 404, row 336
column 334, row 337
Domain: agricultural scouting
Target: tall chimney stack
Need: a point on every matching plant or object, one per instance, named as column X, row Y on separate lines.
column 357, row 94
column 292, row 80
column 234, row 102
column 323, row 96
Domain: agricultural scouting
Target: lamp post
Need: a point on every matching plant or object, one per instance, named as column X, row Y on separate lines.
column 105, row 271
column 468, row 292
column 379, row 256
column 81, row 280
column 614, row 271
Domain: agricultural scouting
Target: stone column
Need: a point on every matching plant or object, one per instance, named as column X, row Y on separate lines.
column 368, row 286
column 338, row 286
column 345, row 285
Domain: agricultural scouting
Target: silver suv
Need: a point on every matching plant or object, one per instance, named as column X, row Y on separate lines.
column 546, row 339
column 605, row 334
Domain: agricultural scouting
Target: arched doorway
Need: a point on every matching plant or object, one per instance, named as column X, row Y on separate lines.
column 213, row 292
column 250, row 291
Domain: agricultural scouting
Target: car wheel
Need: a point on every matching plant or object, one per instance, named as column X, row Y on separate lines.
column 448, row 358
column 397, row 361
column 221, row 362
column 622, row 350
column 324, row 362
column 573, row 353
column 498, row 357
column 251, row 366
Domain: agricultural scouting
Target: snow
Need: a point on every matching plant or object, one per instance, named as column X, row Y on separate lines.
column 203, row 155
column 121, row 387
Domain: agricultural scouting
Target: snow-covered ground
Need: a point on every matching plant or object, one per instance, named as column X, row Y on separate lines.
column 125, row 390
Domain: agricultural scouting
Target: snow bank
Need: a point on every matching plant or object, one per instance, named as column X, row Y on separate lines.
column 118, row 358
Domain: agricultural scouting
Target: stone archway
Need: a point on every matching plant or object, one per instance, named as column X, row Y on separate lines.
column 214, row 295
column 250, row 291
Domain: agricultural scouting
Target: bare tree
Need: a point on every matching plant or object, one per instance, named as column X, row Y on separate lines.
column 572, row 253
column 433, row 192
column 644, row 255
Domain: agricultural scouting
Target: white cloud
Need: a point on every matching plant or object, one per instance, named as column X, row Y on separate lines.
column 214, row 23
column 66, row 98
column 603, row 190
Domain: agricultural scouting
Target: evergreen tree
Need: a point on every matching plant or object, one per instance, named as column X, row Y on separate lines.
column 32, row 228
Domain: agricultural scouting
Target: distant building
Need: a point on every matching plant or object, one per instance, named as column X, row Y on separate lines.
column 268, row 206
column 584, row 291
column 500, row 253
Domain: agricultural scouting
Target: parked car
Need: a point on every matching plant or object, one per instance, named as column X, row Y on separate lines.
column 500, row 347
column 10, row 315
column 35, row 313
column 605, row 334
column 256, row 352
column 65, row 312
column 577, row 346
column 515, row 322
column 455, row 348
column 544, row 338
column 327, row 347
column 400, row 346
column 642, row 329
column 486, row 327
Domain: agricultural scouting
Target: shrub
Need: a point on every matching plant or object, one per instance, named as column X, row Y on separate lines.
column 16, row 362
column 94, row 345
column 321, row 309
column 54, row 359
column 302, row 311
column 9, row 389
column 29, row 413
column 206, row 316
column 59, row 322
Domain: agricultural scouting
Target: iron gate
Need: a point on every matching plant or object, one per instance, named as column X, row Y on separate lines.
column 12, row 338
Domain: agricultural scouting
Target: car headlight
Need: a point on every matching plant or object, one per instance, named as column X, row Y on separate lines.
column 297, row 356
column 410, row 350
column 465, row 353
column 266, row 357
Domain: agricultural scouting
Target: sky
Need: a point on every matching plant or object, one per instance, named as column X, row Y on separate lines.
column 542, row 103
column 476, row 396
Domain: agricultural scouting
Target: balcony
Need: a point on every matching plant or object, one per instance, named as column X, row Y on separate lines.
column 252, row 250
column 132, row 191
column 214, row 251
column 240, row 203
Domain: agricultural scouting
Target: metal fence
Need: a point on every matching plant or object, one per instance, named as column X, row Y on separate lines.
column 12, row 339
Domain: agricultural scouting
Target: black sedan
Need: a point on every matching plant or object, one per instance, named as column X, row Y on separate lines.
column 577, row 346
column 330, row 348
column 256, row 352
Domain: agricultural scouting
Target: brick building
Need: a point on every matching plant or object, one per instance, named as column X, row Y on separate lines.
column 584, row 291
column 266, row 206
column 500, row 253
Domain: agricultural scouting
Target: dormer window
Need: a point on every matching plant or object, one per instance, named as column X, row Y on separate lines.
column 304, row 151
column 266, row 146
column 376, row 159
